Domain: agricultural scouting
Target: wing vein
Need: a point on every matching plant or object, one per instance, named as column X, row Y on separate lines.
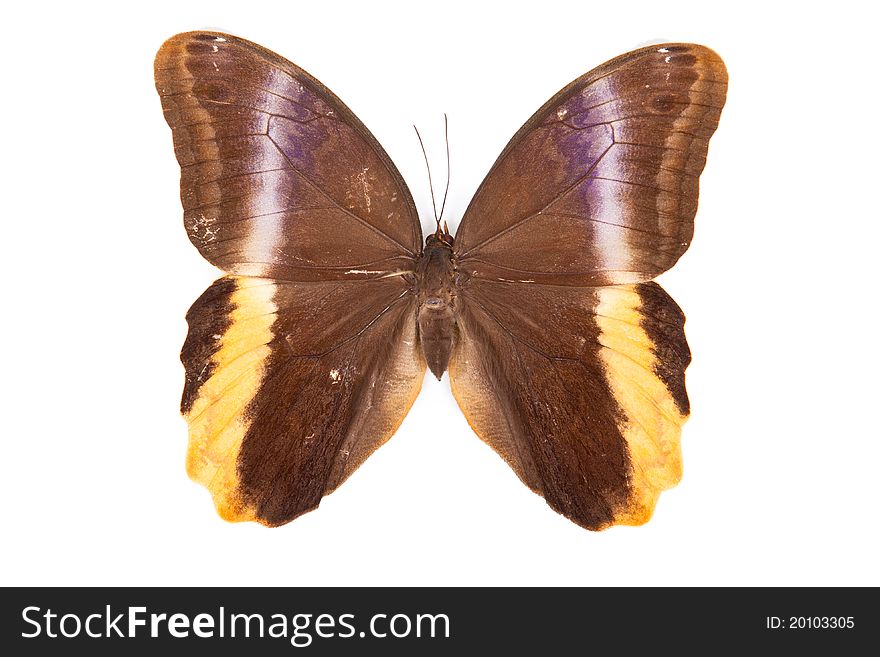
column 565, row 191
column 348, row 212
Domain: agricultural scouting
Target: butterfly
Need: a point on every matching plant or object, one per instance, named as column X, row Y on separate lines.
column 562, row 353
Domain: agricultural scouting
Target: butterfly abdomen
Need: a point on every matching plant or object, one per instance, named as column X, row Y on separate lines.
column 435, row 273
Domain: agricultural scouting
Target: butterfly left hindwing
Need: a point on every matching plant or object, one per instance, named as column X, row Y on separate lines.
column 296, row 389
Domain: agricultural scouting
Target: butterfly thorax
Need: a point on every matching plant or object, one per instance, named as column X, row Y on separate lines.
column 435, row 287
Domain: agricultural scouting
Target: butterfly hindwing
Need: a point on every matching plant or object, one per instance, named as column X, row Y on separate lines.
column 580, row 390
column 290, row 388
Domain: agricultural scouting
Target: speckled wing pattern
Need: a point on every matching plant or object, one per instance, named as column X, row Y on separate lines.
column 303, row 359
column 570, row 362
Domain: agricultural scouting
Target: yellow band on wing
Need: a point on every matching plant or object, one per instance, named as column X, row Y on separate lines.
column 218, row 418
column 651, row 423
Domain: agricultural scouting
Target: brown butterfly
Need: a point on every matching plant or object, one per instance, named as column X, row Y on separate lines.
column 564, row 356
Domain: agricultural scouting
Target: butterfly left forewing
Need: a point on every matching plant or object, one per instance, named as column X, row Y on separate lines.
column 278, row 177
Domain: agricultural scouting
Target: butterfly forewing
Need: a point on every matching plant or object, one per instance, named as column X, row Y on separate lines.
column 600, row 185
column 278, row 177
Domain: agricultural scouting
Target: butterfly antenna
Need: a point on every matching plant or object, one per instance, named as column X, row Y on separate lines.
column 445, row 193
column 430, row 181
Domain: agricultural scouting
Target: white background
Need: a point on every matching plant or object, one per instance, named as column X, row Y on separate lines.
column 781, row 453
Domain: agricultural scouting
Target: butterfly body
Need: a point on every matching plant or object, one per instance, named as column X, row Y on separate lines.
column 436, row 283
column 565, row 356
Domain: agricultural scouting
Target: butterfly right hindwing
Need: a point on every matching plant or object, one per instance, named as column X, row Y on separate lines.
column 586, row 402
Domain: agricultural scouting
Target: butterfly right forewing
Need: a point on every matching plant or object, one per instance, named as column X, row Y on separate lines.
column 600, row 186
